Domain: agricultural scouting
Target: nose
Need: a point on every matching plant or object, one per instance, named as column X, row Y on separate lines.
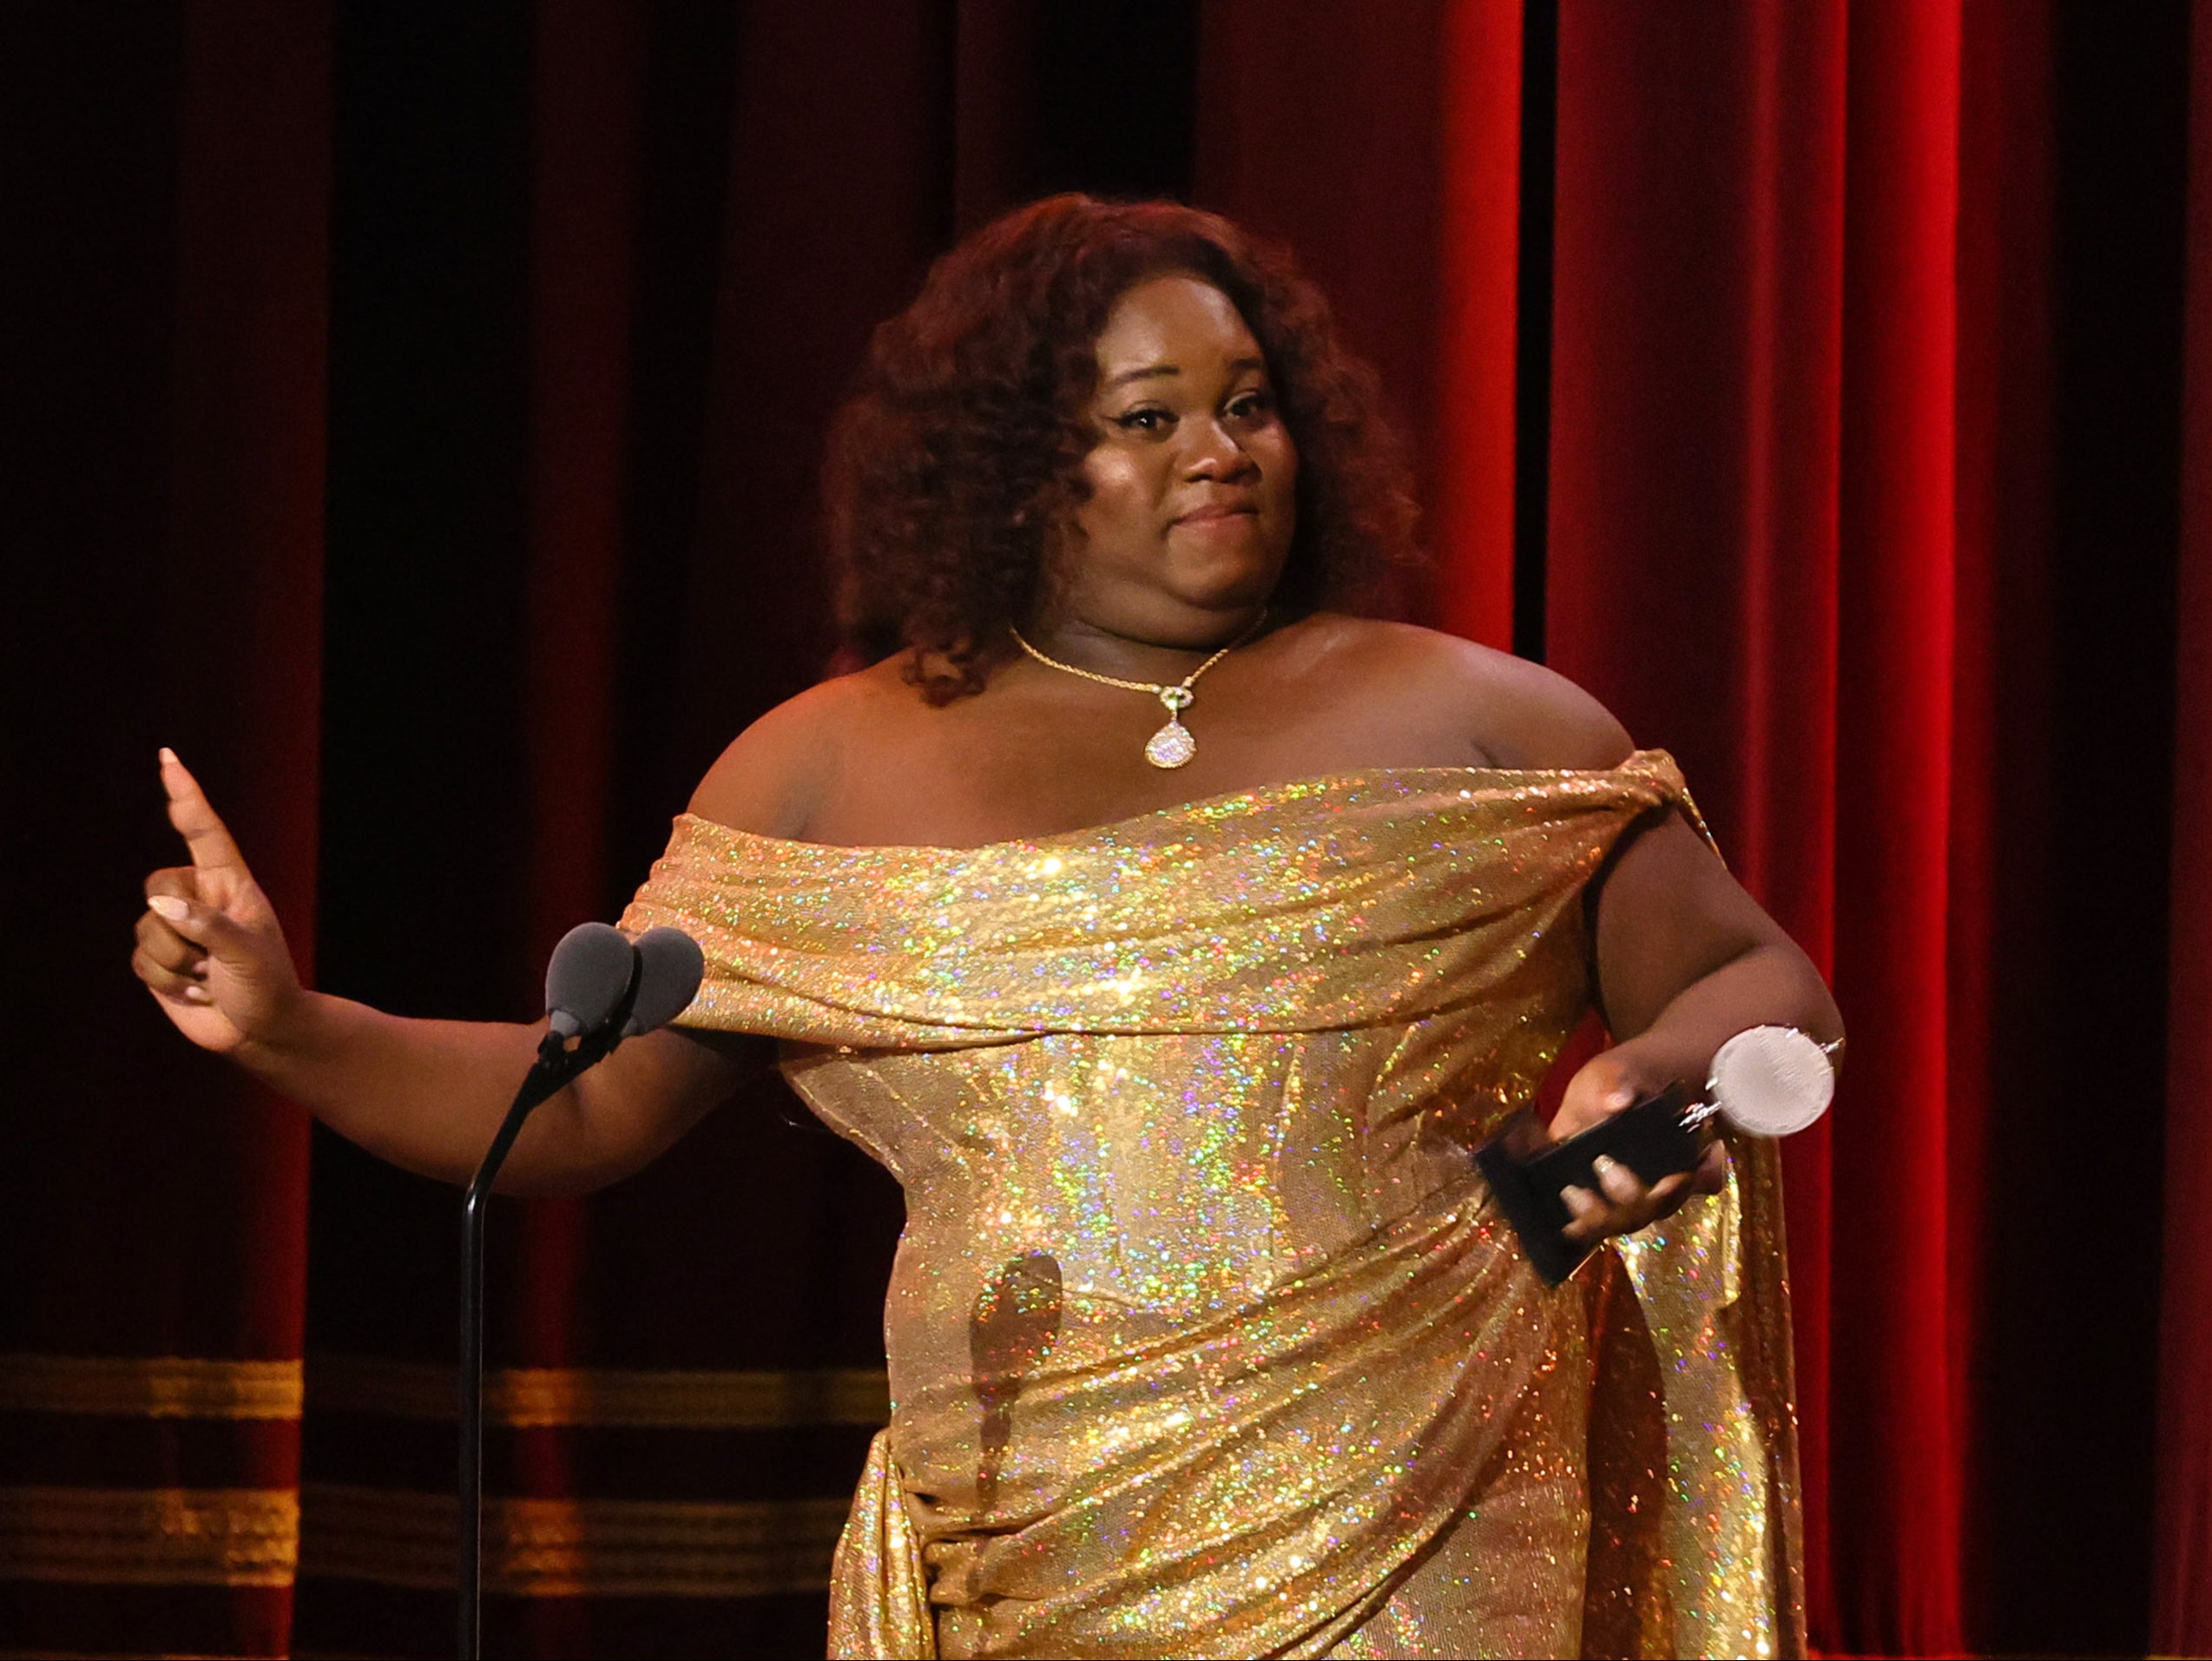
column 1215, row 453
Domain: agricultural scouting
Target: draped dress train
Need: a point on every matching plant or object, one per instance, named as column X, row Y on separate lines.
column 1205, row 1337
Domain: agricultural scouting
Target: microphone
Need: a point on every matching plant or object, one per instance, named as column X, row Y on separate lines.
column 591, row 972
column 600, row 989
column 597, row 969
column 670, row 965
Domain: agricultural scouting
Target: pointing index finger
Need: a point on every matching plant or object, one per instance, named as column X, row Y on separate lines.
column 204, row 832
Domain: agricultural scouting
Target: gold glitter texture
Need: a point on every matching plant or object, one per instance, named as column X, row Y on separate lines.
column 1204, row 1336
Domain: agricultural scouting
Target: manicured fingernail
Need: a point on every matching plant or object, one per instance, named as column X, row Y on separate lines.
column 170, row 906
column 169, row 756
column 1602, row 1164
column 198, row 995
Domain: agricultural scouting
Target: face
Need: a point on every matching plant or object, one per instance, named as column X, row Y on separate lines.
column 1193, row 479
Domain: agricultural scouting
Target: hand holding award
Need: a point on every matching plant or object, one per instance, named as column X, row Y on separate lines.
column 1767, row 1081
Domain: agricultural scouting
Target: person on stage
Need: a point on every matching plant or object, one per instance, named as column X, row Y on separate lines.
column 1174, row 934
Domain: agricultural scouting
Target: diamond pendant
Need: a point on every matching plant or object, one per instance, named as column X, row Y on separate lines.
column 1171, row 746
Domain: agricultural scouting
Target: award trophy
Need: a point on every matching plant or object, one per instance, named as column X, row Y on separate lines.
column 1767, row 1081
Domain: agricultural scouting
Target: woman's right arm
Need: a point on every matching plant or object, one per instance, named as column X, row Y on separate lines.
column 426, row 1095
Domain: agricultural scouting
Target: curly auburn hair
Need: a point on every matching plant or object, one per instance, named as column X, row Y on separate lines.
column 959, row 458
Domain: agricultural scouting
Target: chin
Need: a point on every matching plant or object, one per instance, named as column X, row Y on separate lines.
column 1222, row 579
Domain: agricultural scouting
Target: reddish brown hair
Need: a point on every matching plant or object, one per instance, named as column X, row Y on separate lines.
column 958, row 458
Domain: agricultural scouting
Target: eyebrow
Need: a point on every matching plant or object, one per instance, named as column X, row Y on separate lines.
column 1152, row 371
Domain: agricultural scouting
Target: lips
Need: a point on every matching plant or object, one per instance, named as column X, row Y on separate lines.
column 1213, row 513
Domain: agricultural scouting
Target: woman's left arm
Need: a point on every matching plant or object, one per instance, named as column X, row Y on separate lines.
column 1685, row 960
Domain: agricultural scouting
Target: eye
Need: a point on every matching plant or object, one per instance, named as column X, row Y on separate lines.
column 1255, row 405
column 1146, row 418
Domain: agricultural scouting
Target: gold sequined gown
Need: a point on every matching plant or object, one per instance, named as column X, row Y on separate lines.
column 1204, row 1338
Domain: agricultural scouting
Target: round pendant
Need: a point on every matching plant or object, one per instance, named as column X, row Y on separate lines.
column 1171, row 746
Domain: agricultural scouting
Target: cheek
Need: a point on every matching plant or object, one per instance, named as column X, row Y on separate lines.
column 1279, row 469
column 1121, row 495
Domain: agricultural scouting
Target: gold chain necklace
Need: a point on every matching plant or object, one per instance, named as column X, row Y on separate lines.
column 1172, row 745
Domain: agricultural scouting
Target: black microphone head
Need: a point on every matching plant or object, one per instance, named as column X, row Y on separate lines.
column 670, row 968
column 586, row 979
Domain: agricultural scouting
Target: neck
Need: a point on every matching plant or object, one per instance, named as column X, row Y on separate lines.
column 1140, row 654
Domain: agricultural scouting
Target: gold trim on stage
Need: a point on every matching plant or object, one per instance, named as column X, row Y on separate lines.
column 159, row 1386
column 673, row 1399
column 187, row 1386
column 567, row 1548
column 167, row 1536
column 252, row 1537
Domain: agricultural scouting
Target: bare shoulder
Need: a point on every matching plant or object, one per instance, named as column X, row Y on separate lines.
column 774, row 772
column 1516, row 712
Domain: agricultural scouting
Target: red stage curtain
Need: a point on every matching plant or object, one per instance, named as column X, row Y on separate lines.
column 2182, row 1616
column 166, row 308
column 1697, row 295
column 668, row 242
column 1823, row 447
column 1388, row 158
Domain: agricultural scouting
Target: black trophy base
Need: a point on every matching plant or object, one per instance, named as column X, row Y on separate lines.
column 1526, row 1170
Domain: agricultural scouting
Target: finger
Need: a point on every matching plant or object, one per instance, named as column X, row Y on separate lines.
column 200, row 925
column 1668, row 1195
column 1620, row 1183
column 1597, row 1090
column 178, row 879
column 1588, row 1214
column 1712, row 1171
column 167, row 983
column 203, row 831
column 164, row 945
column 1570, row 1121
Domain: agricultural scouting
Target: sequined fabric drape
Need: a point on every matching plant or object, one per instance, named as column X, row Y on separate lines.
column 1204, row 1337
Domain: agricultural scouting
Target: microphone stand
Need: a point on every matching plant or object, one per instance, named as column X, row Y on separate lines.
column 556, row 1067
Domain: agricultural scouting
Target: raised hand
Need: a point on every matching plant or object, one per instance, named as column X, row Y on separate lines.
column 209, row 946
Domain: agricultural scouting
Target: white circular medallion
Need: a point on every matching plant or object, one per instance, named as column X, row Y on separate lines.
column 1771, row 1081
